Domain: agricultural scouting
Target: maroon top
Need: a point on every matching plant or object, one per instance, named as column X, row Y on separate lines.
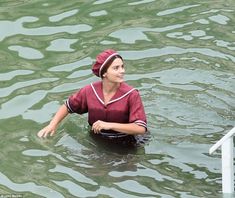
column 124, row 107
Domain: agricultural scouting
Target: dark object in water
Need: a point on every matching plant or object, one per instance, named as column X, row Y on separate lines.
column 121, row 143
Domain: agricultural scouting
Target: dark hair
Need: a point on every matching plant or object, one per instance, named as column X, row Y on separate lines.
column 109, row 62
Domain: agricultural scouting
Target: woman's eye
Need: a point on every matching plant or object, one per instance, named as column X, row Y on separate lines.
column 118, row 67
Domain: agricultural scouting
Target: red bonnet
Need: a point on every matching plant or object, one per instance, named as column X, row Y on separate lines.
column 101, row 60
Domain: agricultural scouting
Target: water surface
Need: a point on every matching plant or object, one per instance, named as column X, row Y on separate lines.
column 180, row 55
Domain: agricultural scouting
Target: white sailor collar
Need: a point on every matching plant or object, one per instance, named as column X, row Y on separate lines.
column 123, row 91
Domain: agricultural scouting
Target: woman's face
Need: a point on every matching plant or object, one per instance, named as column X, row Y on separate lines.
column 116, row 71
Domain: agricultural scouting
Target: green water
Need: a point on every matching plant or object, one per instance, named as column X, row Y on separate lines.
column 179, row 54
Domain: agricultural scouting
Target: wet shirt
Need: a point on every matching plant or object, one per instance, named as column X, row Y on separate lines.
column 124, row 107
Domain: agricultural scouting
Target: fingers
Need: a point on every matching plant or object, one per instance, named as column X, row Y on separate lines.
column 100, row 125
column 52, row 132
column 45, row 132
column 96, row 127
column 40, row 133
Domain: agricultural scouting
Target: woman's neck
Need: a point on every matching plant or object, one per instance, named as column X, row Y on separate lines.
column 110, row 87
column 109, row 90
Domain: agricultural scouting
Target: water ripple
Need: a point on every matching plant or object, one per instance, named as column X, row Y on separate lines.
column 97, row 2
column 61, row 45
column 73, row 146
column 145, row 172
column 41, row 153
column 19, row 104
column 75, row 190
column 170, row 50
column 8, row 90
column 98, row 13
column 179, row 55
column 141, row 2
column 72, row 66
column 74, row 174
column 10, row 75
column 42, row 115
column 63, row 15
column 134, row 186
column 27, row 52
column 131, row 35
column 175, row 10
column 16, row 27
column 29, row 187
column 221, row 19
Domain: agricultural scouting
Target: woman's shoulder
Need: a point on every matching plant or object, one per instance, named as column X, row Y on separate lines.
column 96, row 84
column 126, row 87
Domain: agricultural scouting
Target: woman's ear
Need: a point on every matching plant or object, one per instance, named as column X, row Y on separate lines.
column 104, row 75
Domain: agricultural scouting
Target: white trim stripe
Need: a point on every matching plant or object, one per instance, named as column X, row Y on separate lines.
column 141, row 123
column 103, row 64
column 68, row 106
column 113, row 135
column 97, row 94
column 121, row 96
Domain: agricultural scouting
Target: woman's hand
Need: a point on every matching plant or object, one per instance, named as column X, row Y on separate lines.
column 127, row 128
column 101, row 125
column 48, row 130
column 51, row 128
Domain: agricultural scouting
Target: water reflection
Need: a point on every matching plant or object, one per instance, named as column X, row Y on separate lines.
column 8, row 90
column 12, row 74
column 181, row 58
column 27, row 52
column 60, row 17
column 98, row 13
column 16, row 27
column 29, row 187
column 61, row 45
column 169, row 50
column 176, row 10
column 72, row 66
column 221, row 19
column 141, row 2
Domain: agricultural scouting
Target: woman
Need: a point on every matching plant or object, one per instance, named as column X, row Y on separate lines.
column 115, row 109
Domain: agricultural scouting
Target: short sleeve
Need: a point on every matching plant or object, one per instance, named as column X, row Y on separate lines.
column 136, row 110
column 77, row 103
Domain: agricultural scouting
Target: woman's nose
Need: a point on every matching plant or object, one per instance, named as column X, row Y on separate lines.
column 122, row 70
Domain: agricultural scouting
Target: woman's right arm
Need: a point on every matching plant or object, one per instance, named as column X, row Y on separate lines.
column 50, row 129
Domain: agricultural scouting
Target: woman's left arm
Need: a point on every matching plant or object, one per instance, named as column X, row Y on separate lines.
column 128, row 128
column 137, row 119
